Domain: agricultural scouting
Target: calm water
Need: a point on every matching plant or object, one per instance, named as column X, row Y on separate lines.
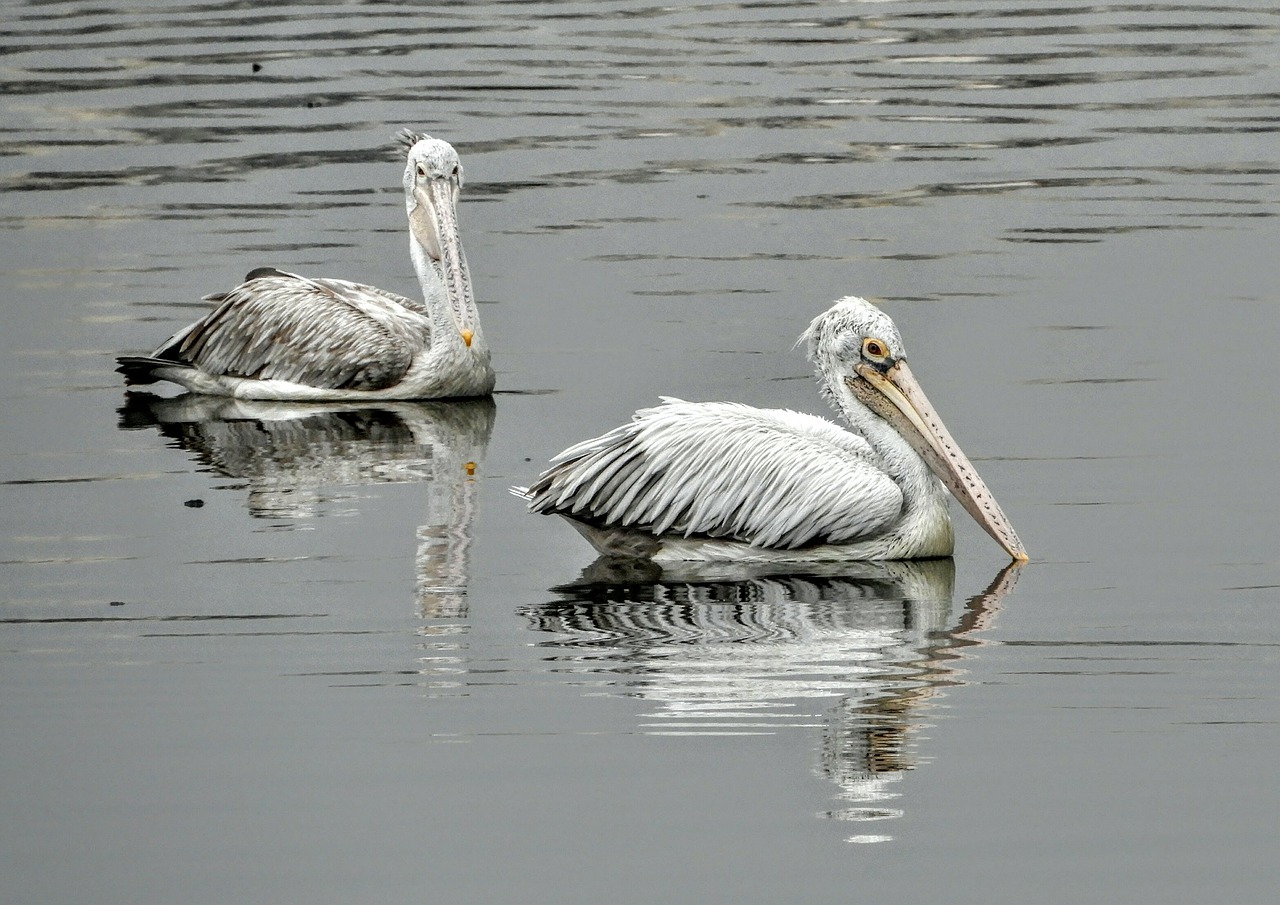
column 288, row 654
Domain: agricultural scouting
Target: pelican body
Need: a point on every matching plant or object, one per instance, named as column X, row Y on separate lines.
column 281, row 336
column 716, row 481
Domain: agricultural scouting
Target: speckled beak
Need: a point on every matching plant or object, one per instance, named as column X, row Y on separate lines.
column 434, row 222
column 894, row 395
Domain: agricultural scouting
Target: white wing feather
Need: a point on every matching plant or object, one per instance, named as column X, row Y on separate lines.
column 767, row 477
column 323, row 333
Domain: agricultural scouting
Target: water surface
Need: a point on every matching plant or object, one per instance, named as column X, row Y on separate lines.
column 274, row 653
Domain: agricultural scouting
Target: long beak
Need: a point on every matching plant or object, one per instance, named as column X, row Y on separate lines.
column 435, row 223
column 899, row 399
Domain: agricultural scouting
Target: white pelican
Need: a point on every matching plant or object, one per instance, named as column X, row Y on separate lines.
column 286, row 337
column 718, row 481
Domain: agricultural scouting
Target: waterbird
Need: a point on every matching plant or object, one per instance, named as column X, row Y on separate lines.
column 281, row 336
column 722, row 481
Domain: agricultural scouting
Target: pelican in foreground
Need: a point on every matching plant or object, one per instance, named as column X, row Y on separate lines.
column 282, row 336
column 715, row 481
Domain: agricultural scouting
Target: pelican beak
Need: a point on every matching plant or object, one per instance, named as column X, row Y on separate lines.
column 434, row 222
column 895, row 395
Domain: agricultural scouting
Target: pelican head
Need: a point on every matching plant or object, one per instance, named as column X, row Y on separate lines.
column 860, row 356
column 432, row 181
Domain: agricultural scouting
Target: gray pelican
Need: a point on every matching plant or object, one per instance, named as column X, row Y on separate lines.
column 714, row 481
column 286, row 337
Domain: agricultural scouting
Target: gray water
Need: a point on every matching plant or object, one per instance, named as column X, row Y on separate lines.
column 280, row 654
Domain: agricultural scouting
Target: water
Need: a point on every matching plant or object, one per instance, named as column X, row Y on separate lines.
column 283, row 654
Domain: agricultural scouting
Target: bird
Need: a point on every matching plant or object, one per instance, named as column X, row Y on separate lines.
column 723, row 481
column 282, row 336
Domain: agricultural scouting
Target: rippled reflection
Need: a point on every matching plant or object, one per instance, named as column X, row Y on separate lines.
column 652, row 184
column 305, row 461
column 744, row 650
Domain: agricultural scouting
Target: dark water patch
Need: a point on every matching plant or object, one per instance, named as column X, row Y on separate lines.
column 211, row 617
column 1138, row 643
column 261, row 560
column 85, row 479
column 1236, row 127
column 286, row 247
column 752, row 256
column 923, row 193
column 65, row 560
column 1060, row 381
column 904, row 150
column 281, row 634
column 223, row 170
column 1083, row 234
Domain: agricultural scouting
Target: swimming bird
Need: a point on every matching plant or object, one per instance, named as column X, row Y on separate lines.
column 716, row 481
column 282, row 336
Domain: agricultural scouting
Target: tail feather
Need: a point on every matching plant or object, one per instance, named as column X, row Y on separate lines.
column 140, row 370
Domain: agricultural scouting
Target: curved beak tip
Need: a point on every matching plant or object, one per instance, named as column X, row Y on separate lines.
column 908, row 410
column 466, row 337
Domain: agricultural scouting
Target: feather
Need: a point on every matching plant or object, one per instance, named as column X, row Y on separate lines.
column 768, row 478
column 322, row 333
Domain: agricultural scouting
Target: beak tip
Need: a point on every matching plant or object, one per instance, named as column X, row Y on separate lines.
column 466, row 337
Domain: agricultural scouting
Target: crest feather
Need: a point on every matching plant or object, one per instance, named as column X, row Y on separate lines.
column 406, row 139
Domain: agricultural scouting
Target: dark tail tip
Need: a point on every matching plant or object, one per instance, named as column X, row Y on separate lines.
column 259, row 273
column 139, row 370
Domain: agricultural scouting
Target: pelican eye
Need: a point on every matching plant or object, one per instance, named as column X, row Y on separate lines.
column 422, row 173
column 874, row 349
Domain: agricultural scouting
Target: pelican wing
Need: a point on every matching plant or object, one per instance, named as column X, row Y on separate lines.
column 768, row 477
column 322, row 333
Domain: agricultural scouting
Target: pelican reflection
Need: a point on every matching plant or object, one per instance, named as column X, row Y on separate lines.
column 301, row 461
column 854, row 649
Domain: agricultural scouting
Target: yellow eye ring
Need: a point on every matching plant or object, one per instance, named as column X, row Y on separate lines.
column 874, row 349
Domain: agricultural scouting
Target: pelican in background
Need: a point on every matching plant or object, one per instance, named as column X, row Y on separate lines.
column 286, row 337
column 716, row 481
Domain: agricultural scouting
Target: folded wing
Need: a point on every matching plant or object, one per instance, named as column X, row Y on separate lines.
column 768, row 477
column 321, row 333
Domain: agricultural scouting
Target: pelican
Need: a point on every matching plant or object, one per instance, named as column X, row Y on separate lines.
column 281, row 336
column 720, row 481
